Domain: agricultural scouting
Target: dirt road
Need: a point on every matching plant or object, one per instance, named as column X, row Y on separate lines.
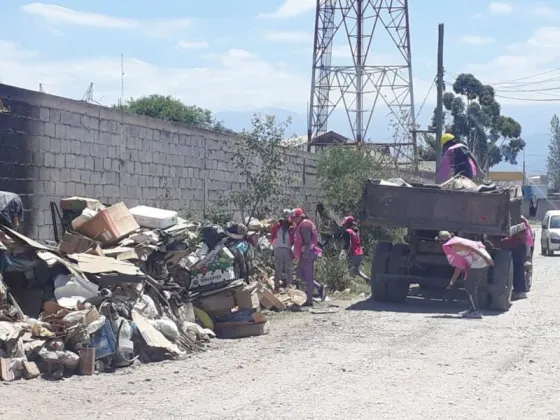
column 410, row 362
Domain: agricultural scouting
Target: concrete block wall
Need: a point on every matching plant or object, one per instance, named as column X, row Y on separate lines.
column 53, row 147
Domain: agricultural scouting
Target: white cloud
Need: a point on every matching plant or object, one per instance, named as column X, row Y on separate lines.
column 235, row 80
column 477, row 40
column 291, row 8
column 193, row 45
column 519, row 73
column 58, row 15
column 499, row 8
column 289, row 36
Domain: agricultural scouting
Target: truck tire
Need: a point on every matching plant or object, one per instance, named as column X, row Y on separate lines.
column 501, row 281
column 397, row 289
column 379, row 265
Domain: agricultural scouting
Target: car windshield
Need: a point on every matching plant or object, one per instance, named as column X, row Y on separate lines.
column 555, row 222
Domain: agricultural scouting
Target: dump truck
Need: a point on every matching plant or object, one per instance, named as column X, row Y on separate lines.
column 488, row 214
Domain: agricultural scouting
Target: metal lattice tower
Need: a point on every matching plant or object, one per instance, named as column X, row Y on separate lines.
column 360, row 82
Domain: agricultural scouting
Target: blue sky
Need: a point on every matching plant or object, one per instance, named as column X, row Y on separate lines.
column 249, row 54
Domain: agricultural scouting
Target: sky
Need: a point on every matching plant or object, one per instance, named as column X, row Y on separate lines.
column 244, row 55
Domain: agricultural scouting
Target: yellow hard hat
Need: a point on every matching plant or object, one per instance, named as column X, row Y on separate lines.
column 446, row 137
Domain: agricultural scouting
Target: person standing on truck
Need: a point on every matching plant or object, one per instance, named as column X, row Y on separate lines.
column 282, row 238
column 307, row 252
column 457, row 159
column 472, row 259
column 353, row 249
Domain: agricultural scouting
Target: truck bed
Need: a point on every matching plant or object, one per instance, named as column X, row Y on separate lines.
column 425, row 208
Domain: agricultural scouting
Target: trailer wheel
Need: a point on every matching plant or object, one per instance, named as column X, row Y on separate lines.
column 379, row 265
column 397, row 289
column 501, row 281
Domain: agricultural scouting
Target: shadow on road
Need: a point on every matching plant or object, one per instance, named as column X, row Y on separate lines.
column 443, row 304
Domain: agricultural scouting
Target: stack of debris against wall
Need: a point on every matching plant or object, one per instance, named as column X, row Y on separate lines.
column 128, row 286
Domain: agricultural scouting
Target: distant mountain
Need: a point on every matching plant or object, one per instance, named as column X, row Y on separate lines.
column 534, row 120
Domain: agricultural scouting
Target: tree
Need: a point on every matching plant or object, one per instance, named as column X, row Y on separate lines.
column 476, row 120
column 171, row 109
column 553, row 159
column 427, row 148
column 259, row 156
column 343, row 173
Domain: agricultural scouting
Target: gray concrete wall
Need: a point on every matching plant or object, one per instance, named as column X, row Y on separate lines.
column 53, row 147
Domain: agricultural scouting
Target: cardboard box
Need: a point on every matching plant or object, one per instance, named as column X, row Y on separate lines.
column 217, row 304
column 109, row 225
column 153, row 218
column 247, row 297
column 80, row 203
column 241, row 329
column 74, row 243
column 215, row 272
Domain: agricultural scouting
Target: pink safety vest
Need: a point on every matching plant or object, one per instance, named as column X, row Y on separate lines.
column 298, row 239
column 456, row 260
column 529, row 235
column 447, row 163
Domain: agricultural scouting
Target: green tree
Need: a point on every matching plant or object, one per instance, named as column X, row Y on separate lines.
column 476, row 120
column 343, row 173
column 427, row 148
column 259, row 157
column 171, row 109
column 553, row 159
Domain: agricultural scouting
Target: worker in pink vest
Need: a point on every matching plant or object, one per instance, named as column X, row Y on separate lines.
column 456, row 159
column 472, row 259
column 353, row 249
column 306, row 250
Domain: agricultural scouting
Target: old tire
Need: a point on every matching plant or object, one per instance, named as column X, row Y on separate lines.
column 501, row 281
column 397, row 289
column 379, row 265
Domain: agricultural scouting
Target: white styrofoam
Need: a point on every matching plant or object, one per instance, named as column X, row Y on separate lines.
column 153, row 218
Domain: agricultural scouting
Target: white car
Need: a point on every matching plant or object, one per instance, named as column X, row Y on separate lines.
column 550, row 235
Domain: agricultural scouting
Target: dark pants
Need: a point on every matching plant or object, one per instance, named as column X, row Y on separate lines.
column 519, row 255
column 475, row 276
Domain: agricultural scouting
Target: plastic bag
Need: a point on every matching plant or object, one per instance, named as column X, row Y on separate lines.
column 146, row 306
column 167, row 327
column 69, row 290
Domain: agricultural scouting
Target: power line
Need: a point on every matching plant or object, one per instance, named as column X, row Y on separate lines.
column 519, row 81
column 529, row 99
column 426, row 97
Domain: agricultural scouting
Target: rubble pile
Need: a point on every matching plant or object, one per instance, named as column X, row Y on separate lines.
column 123, row 286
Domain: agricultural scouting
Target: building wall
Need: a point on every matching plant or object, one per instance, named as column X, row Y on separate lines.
column 53, row 147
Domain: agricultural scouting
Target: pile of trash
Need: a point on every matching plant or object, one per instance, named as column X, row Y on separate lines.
column 123, row 286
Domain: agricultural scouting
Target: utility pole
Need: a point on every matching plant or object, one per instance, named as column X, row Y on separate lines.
column 439, row 107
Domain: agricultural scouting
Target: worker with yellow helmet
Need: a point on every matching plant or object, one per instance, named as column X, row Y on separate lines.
column 457, row 159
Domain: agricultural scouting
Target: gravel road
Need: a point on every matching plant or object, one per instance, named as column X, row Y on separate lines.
column 416, row 361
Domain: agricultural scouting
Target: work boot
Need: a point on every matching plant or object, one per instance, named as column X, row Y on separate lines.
column 323, row 293
column 473, row 315
column 308, row 304
column 464, row 313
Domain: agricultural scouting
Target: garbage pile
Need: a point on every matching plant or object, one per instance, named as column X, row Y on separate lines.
column 127, row 286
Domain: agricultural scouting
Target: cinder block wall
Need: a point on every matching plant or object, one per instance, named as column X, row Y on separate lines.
column 53, row 147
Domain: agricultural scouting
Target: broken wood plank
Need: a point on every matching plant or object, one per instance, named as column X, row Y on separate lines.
column 6, row 373
column 31, row 371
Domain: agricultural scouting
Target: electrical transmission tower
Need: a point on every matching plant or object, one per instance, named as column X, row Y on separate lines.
column 362, row 63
